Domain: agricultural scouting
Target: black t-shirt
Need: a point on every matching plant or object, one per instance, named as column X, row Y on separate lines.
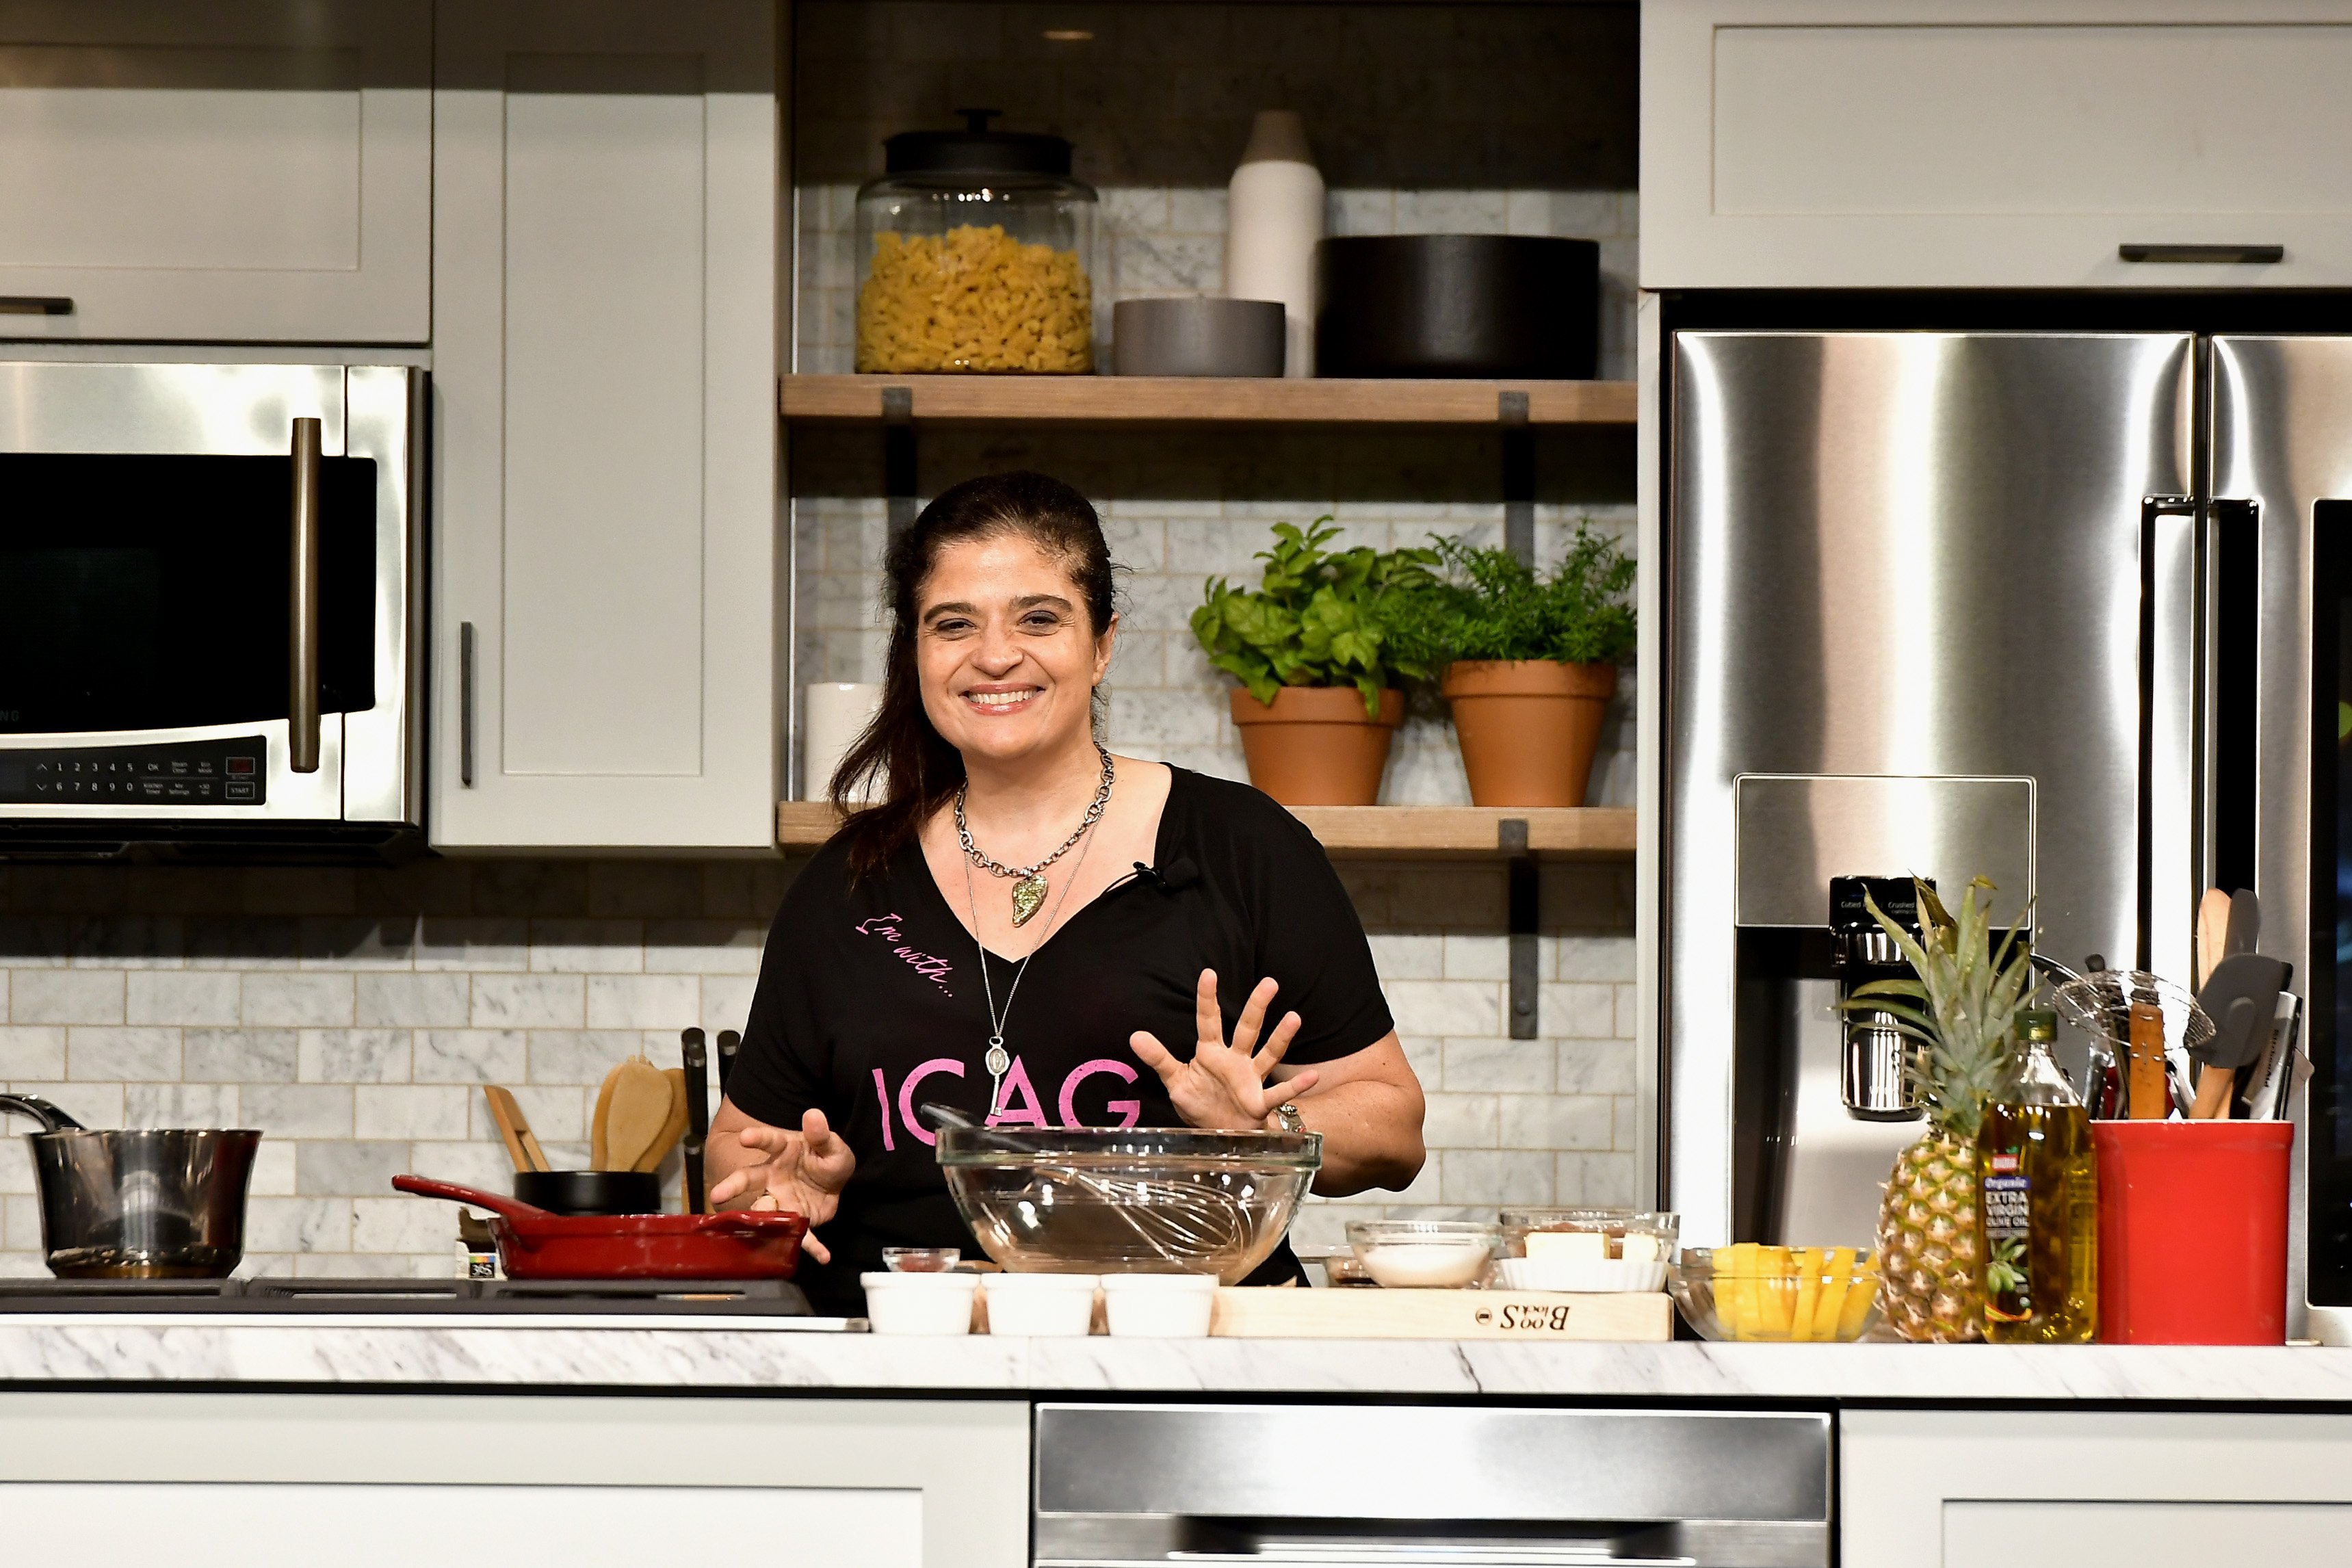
column 870, row 1003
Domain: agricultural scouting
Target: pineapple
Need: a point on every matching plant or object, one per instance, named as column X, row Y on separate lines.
column 1959, row 1010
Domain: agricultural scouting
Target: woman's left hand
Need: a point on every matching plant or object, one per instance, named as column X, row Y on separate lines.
column 1224, row 1087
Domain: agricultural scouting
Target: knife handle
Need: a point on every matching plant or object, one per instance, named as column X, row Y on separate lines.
column 2147, row 1090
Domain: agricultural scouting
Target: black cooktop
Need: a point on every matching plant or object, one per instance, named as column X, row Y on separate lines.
column 574, row 1297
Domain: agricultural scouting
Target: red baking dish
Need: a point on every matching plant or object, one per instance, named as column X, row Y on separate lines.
column 535, row 1244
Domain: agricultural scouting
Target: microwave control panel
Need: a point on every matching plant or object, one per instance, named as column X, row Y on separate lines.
column 184, row 773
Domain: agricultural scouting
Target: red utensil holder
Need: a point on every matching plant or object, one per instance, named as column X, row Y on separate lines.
column 2192, row 1232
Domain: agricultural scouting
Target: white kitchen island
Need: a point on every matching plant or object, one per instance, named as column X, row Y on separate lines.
column 405, row 1442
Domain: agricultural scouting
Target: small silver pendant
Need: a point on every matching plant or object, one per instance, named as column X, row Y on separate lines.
column 997, row 1061
column 1028, row 897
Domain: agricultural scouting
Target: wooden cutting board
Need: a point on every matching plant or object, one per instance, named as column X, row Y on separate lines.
column 1356, row 1312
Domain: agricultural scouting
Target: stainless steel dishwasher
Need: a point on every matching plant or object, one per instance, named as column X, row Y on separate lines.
column 1345, row 1486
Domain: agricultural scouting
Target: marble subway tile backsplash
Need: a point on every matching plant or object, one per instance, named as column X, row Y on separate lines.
column 352, row 1015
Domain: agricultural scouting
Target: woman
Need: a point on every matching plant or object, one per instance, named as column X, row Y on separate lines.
column 1036, row 931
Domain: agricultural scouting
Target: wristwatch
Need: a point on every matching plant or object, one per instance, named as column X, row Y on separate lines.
column 1287, row 1114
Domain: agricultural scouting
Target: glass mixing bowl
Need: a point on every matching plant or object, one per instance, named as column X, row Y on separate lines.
column 1136, row 1200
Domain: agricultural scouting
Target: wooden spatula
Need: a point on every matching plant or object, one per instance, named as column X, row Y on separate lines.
column 514, row 1130
column 2213, row 932
column 598, row 1150
column 638, row 1112
column 672, row 1130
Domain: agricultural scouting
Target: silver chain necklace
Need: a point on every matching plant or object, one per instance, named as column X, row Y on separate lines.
column 999, row 1061
column 1029, row 885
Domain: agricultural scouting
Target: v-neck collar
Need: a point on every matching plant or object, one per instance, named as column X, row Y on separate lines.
column 1162, row 840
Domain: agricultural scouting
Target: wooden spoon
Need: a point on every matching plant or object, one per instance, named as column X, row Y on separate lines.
column 2213, row 932
column 637, row 1114
column 599, row 1145
column 672, row 1130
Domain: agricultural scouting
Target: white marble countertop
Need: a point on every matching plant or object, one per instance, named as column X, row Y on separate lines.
column 102, row 1348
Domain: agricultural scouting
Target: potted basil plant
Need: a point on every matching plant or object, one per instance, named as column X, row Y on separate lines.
column 1319, row 704
column 1530, row 661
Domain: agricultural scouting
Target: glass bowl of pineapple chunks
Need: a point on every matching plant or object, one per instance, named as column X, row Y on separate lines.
column 1779, row 1295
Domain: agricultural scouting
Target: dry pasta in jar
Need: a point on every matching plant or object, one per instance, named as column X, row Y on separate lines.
column 973, row 299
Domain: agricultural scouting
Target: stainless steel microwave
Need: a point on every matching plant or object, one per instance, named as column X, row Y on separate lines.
column 211, row 608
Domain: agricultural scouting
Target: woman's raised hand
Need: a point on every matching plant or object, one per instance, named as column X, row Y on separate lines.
column 1224, row 1086
column 800, row 1171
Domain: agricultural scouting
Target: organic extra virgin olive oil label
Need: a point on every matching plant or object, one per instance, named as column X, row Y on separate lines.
column 2006, row 1195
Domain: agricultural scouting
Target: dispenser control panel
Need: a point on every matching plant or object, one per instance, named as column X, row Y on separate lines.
column 183, row 772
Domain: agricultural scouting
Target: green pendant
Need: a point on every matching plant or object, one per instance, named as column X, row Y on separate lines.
column 1028, row 897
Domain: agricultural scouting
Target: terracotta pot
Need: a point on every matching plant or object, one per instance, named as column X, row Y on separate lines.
column 1528, row 727
column 1314, row 747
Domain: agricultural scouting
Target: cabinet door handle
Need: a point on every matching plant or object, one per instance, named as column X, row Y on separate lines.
column 2251, row 254
column 35, row 305
column 303, row 619
column 466, row 704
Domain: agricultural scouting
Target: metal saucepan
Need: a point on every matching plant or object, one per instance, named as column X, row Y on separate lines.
column 141, row 1203
column 589, row 1192
column 535, row 1244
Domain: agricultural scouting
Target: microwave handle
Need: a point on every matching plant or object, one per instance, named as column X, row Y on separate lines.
column 303, row 703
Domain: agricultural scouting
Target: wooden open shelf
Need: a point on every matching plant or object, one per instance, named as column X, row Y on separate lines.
column 1178, row 400
column 1391, row 832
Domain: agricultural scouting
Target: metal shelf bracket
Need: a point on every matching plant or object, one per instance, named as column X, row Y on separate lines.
column 1525, row 910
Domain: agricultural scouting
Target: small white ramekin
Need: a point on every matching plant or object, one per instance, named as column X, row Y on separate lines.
column 1160, row 1306
column 937, row 1304
column 1042, row 1305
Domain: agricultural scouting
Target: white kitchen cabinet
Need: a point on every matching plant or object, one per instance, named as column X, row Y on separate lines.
column 241, row 1481
column 606, row 618
column 1993, row 144
column 2059, row 1489
column 261, row 172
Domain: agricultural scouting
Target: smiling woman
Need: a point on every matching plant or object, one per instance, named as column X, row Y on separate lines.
column 1035, row 931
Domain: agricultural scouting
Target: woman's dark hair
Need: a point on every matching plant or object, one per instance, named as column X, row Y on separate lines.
column 918, row 770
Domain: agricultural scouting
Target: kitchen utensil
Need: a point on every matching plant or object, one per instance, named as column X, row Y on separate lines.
column 141, row 1203
column 1425, row 1254
column 2145, row 1083
column 599, row 1150
column 1111, row 1200
column 2244, row 996
column 673, row 1126
column 1274, row 215
column 1159, row 1306
column 2246, row 928
column 729, row 1043
column 920, row 1260
column 2269, row 1085
column 697, row 1117
column 514, row 1129
column 1040, row 1306
column 638, row 1110
column 1197, row 335
column 2213, row 932
column 935, row 1305
column 2100, row 1003
column 535, row 1244
column 589, row 1192
column 1781, row 1294
column 1457, row 305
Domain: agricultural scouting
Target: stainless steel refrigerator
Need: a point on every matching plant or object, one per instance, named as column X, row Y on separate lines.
column 2061, row 608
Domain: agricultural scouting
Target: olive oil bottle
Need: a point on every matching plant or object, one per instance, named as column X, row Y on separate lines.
column 2038, row 1197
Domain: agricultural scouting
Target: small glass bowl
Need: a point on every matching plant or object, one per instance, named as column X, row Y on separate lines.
column 1821, row 1295
column 1614, row 1224
column 1425, row 1254
column 920, row 1260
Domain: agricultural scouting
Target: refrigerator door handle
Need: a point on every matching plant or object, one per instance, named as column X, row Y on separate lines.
column 2233, row 689
column 2168, row 752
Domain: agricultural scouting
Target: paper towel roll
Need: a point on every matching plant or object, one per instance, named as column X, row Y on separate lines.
column 1274, row 215
column 834, row 713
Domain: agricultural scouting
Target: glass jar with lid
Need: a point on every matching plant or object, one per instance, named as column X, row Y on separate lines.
column 975, row 253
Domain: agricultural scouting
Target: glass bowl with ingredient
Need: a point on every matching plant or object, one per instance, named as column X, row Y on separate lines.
column 1136, row 1200
column 1425, row 1254
column 1781, row 1295
column 976, row 254
column 1634, row 1234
